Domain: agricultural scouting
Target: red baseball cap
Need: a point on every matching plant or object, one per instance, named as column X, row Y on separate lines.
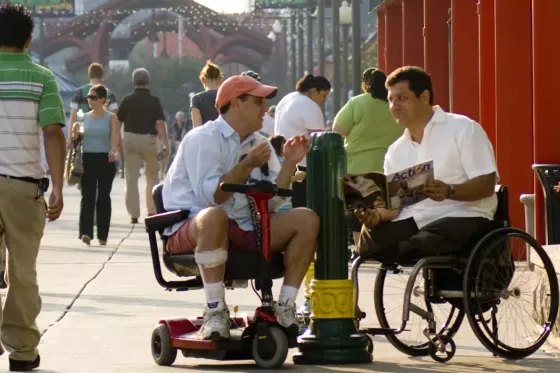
column 239, row 85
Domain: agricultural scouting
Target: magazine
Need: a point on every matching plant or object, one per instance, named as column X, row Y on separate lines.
column 394, row 191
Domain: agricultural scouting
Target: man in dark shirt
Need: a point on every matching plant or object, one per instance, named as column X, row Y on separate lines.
column 144, row 121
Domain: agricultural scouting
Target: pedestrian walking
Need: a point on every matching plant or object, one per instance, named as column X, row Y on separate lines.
column 29, row 102
column 144, row 121
column 100, row 138
column 179, row 129
column 203, row 104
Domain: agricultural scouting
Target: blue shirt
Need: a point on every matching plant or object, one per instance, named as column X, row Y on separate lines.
column 206, row 154
column 97, row 134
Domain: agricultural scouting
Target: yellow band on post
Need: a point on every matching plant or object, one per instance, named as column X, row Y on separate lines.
column 332, row 299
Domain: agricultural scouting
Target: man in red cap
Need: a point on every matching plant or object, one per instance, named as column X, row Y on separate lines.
column 230, row 149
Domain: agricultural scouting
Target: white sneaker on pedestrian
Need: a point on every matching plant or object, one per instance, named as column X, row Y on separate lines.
column 286, row 313
column 216, row 322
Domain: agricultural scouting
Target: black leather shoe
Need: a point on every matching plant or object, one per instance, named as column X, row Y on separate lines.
column 24, row 365
column 134, row 220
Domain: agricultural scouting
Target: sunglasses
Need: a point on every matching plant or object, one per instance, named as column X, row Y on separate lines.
column 92, row 97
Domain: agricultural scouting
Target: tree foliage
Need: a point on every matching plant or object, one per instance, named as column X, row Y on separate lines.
column 171, row 79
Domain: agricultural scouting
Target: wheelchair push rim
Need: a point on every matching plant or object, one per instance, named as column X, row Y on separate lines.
column 507, row 271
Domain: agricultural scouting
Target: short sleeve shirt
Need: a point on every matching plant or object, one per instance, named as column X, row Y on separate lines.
column 205, row 102
column 370, row 129
column 296, row 114
column 139, row 111
column 29, row 100
column 460, row 150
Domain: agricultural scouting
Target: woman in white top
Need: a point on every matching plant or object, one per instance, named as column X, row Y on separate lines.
column 299, row 113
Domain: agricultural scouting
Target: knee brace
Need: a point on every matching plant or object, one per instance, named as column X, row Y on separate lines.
column 211, row 259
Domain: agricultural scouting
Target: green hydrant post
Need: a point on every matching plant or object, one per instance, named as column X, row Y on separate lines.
column 331, row 337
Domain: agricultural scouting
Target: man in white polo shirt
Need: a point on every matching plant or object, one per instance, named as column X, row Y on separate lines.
column 462, row 201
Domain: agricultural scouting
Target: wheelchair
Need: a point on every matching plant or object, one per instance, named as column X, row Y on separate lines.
column 506, row 273
column 259, row 337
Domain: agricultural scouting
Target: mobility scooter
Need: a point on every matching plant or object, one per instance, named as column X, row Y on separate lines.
column 259, row 337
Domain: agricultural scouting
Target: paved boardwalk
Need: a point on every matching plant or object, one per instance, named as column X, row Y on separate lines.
column 100, row 305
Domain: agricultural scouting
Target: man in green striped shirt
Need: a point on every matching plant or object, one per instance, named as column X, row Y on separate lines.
column 29, row 101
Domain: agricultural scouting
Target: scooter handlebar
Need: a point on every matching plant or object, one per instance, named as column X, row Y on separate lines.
column 259, row 187
column 234, row 188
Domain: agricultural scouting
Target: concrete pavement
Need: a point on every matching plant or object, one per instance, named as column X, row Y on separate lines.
column 100, row 305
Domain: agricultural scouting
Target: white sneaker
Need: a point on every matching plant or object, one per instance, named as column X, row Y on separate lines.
column 216, row 322
column 286, row 313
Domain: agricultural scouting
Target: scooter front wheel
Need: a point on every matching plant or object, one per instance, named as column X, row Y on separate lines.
column 163, row 353
column 270, row 350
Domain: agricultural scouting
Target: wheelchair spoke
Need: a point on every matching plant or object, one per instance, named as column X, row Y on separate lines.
column 510, row 291
column 412, row 341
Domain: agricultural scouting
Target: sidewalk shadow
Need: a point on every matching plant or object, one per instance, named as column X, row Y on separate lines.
column 414, row 365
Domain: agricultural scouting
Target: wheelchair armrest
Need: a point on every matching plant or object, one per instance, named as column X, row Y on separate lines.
column 160, row 221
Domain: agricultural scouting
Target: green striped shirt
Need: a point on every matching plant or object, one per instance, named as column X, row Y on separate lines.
column 29, row 99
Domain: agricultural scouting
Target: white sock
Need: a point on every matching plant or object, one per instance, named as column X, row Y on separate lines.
column 287, row 293
column 215, row 292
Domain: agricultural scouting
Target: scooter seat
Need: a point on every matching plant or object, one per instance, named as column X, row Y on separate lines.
column 245, row 265
column 239, row 266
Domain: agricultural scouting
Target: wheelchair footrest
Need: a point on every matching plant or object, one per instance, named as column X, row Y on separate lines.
column 381, row 331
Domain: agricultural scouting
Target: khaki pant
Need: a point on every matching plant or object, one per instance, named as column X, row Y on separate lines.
column 139, row 148
column 22, row 221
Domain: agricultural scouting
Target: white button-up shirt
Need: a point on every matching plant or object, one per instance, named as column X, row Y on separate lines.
column 460, row 150
column 206, row 154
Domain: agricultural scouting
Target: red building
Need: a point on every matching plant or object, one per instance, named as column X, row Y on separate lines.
column 494, row 61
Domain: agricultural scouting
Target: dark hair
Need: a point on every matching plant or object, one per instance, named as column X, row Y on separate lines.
column 101, row 91
column 210, row 71
column 225, row 108
column 16, row 26
column 277, row 143
column 373, row 81
column 309, row 81
column 252, row 74
column 418, row 80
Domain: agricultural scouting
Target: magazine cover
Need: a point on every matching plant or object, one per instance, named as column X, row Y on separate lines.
column 397, row 190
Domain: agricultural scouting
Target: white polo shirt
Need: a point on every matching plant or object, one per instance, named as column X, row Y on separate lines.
column 295, row 114
column 460, row 150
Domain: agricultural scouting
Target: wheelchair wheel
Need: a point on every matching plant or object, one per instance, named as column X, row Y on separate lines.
column 511, row 293
column 390, row 286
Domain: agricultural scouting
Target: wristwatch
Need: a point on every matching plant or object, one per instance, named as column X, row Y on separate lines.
column 451, row 192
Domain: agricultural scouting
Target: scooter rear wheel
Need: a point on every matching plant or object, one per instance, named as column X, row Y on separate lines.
column 277, row 351
column 163, row 353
